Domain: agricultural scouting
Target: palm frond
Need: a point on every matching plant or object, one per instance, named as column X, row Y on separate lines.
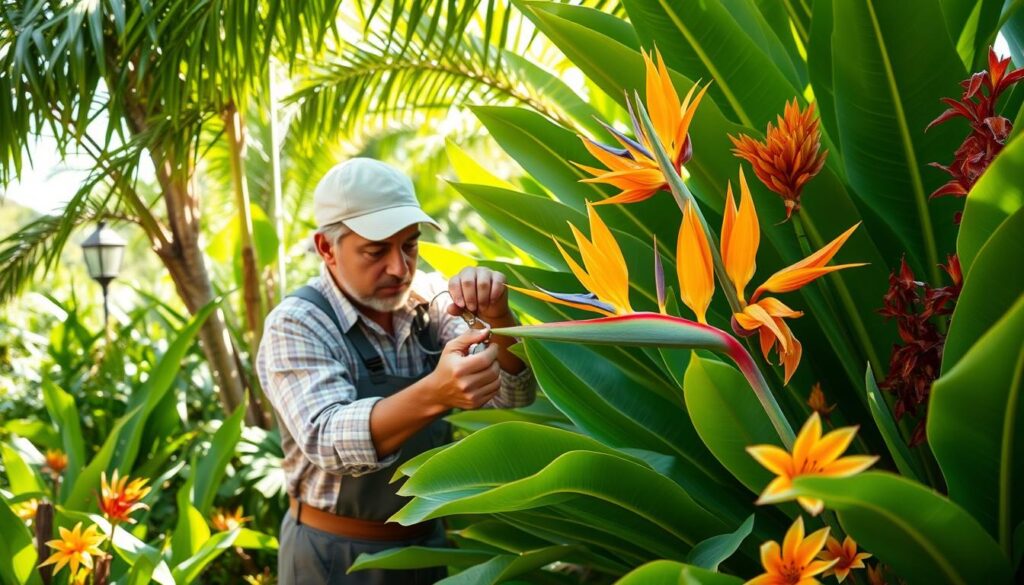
column 36, row 247
column 367, row 87
column 407, row 22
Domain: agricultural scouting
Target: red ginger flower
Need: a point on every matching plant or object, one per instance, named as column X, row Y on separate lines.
column 988, row 129
column 789, row 155
column 119, row 498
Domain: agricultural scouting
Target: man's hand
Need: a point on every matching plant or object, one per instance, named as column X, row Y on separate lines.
column 482, row 291
column 467, row 381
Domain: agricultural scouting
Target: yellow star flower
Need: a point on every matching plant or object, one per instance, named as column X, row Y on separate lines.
column 813, row 455
column 793, row 563
column 74, row 548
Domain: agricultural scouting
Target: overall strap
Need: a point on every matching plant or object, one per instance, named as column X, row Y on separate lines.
column 356, row 338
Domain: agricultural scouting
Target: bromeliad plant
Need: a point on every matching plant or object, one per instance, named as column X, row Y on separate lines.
column 634, row 462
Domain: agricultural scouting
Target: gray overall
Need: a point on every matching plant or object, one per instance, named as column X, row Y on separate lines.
column 310, row 556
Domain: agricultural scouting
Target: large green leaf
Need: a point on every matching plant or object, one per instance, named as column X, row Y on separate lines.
column 898, row 449
column 922, row 536
column 39, row 433
column 715, row 550
column 144, row 399
column 819, row 67
column 729, row 418
column 212, row 467
column 444, row 469
column 995, row 197
column 601, row 489
column 603, row 402
column 971, row 25
column 22, row 477
column 418, row 557
column 705, row 40
column 976, row 427
column 191, row 532
column 774, row 21
column 502, row 536
column 551, row 467
column 505, row 567
column 18, row 555
column 190, row 569
column 891, row 64
column 993, row 285
column 64, row 414
column 673, row 573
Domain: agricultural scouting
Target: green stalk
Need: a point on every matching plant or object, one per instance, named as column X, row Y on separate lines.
column 750, row 371
column 682, row 195
column 843, row 293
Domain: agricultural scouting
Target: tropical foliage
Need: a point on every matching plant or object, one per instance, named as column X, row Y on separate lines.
column 798, row 224
column 650, row 460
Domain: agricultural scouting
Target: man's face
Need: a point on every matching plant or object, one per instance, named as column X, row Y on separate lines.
column 376, row 274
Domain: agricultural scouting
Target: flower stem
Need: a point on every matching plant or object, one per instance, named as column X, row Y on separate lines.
column 742, row 358
column 799, row 223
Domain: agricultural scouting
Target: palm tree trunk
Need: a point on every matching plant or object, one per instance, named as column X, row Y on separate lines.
column 183, row 257
column 255, row 301
column 255, row 308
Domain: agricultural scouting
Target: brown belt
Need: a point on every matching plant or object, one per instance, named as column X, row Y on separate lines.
column 355, row 527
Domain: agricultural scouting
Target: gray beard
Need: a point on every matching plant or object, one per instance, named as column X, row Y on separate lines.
column 387, row 304
column 383, row 305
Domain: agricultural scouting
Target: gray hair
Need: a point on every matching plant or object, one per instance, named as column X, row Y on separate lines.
column 332, row 231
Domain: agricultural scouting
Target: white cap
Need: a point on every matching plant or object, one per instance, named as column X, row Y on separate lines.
column 373, row 199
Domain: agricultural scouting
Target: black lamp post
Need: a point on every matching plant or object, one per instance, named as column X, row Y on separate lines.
column 103, row 251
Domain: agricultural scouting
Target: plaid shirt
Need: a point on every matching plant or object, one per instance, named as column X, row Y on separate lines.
column 310, row 377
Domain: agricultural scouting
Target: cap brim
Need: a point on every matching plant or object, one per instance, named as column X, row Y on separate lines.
column 382, row 224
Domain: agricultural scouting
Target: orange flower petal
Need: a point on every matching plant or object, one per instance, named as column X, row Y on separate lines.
column 771, row 556
column 812, row 505
column 811, row 546
column 778, row 490
column 809, row 435
column 794, row 276
column 832, row 445
column 794, row 536
column 851, row 465
column 694, row 266
column 628, row 196
column 741, row 235
column 772, row 458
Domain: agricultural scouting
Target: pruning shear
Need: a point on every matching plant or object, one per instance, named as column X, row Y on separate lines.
column 471, row 319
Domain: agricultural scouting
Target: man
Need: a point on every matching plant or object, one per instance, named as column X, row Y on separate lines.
column 354, row 366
